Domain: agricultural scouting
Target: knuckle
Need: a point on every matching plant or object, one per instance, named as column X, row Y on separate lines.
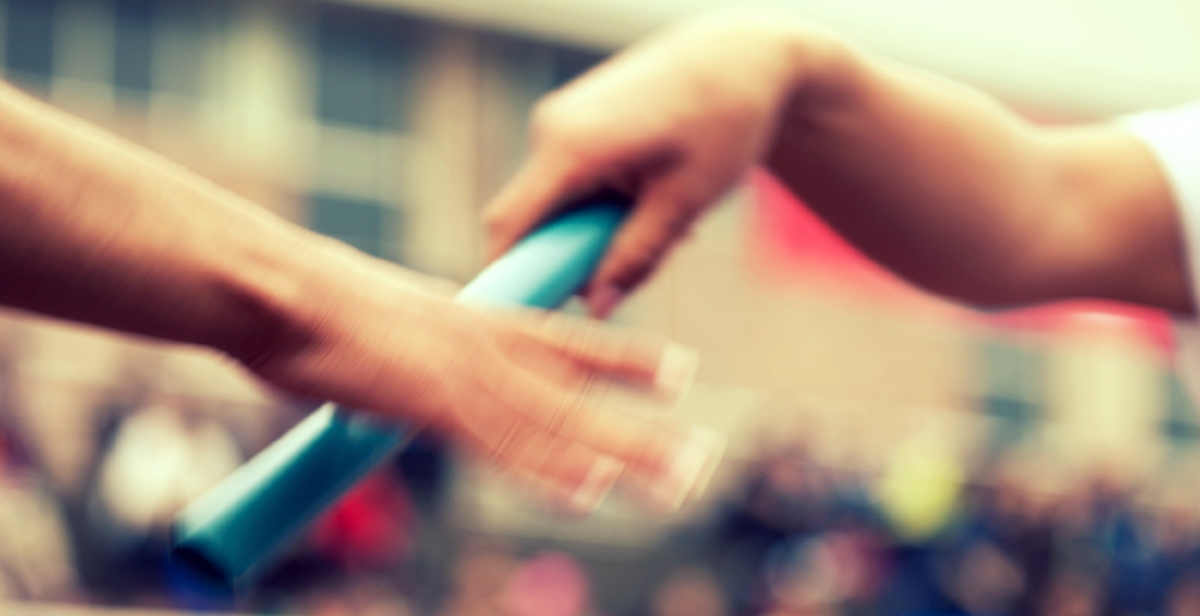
column 568, row 419
column 679, row 221
column 641, row 353
column 509, row 444
column 555, row 125
column 638, row 260
column 515, row 341
column 548, row 114
column 496, row 221
column 575, row 338
column 651, row 445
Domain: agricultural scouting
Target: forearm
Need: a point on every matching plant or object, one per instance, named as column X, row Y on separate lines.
column 96, row 230
column 959, row 195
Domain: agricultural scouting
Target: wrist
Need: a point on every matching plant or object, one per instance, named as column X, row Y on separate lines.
column 809, row 62
column 270, row 277
column 824, row 70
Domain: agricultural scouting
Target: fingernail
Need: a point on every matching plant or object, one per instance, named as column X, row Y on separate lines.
column 604, row 299
column 693, row 467
column 596, row 486
column 715, row 442
column 676, row 369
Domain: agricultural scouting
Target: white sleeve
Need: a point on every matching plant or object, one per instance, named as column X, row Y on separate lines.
column 1174, row 137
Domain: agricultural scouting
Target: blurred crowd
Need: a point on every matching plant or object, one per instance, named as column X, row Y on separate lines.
column 802, row 539
column 926, row 534
column 817, row 542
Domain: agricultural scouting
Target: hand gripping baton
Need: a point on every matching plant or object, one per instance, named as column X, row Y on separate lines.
column 227, row 535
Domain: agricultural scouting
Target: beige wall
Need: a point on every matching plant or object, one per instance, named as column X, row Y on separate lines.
column 801, row 342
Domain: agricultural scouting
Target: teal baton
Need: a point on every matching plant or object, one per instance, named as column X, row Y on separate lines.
column 230, row 533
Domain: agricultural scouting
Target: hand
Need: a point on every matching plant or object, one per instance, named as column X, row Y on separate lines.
column 528, row 392
column 97, row 230
column 676, row 120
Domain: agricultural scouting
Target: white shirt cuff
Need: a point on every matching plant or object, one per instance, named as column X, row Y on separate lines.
column 1174, row 138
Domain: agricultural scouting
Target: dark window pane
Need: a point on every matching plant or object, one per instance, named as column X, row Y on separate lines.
column 1179, row 423
column 29, row 40
column 1013, row 393
column 364, row 224
column 187, row 27
column 133, row 44
column 365, row 67
column 571, row 63
column 1013, row 371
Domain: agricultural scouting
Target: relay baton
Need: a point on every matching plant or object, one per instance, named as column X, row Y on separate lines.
column 229, row 534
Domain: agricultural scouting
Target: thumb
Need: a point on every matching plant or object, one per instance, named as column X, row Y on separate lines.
column 542, row 183
column 661, row 218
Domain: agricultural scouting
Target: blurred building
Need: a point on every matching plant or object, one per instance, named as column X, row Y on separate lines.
column 389, row 124
column 390, row 130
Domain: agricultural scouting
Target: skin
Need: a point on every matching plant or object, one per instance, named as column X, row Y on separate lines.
column 930, row 178
column 97, row 230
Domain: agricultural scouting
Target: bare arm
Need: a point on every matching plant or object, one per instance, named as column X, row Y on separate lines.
column 97, row 230
column 956, row 193
column 931, row 178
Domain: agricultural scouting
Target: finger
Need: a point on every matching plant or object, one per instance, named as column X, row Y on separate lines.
column 662, row 218
column 569, row 474
column 557, row 500
column 548, row 178
column 639, row 358
column 574, row 477
column 671, row 457
column 434, row 285
column 643, row 488
column 381, row 271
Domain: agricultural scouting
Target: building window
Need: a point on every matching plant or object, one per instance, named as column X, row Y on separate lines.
column 369, row 226
column 29, row 43
column 182, row 31
column 133, row 46
column 365, row 67
column 570, row 63
column 1014, row 391
column 1179, row 423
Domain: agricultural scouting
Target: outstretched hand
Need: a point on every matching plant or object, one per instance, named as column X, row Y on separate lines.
column 676, row 121
column 529, row 392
